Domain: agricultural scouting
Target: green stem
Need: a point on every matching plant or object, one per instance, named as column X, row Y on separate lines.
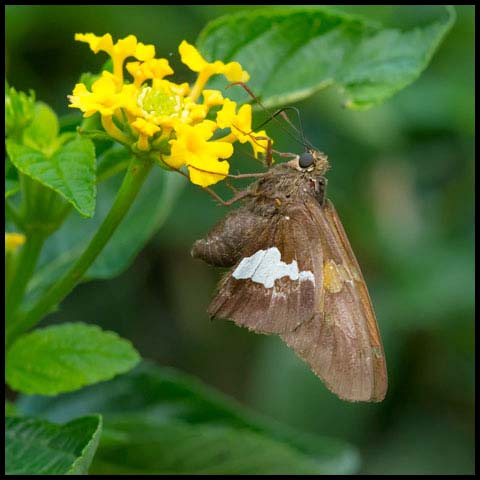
column 23, row 270
column 106, row 174
column 134, row 178
column 25, row 205
column 12, row 213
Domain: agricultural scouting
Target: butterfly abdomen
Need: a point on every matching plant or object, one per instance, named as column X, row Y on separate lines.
column 224, row 244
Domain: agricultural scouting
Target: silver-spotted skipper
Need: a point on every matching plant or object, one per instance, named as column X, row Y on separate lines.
column 293, row 273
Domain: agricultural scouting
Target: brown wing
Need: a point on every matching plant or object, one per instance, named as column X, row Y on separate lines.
column 274, row 290
column 341, row 341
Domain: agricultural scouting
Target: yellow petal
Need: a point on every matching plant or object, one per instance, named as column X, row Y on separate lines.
column 155, row 68
column 240, row 123
column 191, row 57
column 212, row 98
column 259, row 142
column 147, row 128
column 105, row 85
column 126, row 47
column 96, row 44
column 181, row 89
column 178, row 154
column 227, row 114
column 220, row 149
column 243, row 123
column 235, row 73
column 197, row 112
column 207, row 171
column 145, row 52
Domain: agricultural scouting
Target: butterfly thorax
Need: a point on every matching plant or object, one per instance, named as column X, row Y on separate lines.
column 288, row 183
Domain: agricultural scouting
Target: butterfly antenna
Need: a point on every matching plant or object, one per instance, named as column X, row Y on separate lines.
column 306, row 144
column 299, row 131
column 281, row 111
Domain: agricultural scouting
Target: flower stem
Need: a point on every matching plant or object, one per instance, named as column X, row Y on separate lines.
column 12, row 213
column 134, row 179
column 23, row 270
column 113, row 130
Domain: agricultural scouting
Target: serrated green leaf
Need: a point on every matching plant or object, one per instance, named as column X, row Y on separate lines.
column 149, row 211
column 42, row 132
column 70, row 171
column 290, row 53
column 37, row 447
column 173, row 411
column 62, row 358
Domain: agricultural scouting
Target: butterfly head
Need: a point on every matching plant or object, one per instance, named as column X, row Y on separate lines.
column 311, row 161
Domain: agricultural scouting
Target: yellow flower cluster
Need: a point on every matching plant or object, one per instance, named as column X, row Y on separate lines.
column 152, row 114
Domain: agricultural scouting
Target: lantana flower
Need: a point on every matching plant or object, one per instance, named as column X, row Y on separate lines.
column 13, row 241
column 176, row 123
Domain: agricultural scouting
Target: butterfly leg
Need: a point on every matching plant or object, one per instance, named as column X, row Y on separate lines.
column 321, row 190
column 231, row 187
column 226, row 203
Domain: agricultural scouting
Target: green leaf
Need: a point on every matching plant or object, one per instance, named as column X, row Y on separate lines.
column 10, row 409
column 143, row 447
column 19, row 109
column 42, row 133
column 181, row 425
column 37, row 447
column 150, row 209
column 12, row 184
column 291, row 53
column 70, row 171
column 62, row 358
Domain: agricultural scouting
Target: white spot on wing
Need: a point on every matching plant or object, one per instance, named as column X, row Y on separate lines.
column 248, row 265
column 306, row 275
column 266, row 266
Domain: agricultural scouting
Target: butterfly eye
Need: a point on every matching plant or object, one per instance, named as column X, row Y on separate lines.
column 306, row 160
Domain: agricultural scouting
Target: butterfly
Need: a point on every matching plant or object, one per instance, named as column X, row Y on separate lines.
column 293, row 273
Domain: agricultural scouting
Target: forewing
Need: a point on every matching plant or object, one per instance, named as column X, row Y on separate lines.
column 341, row 341
column 273, row 288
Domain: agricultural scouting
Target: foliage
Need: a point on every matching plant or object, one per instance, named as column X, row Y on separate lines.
column 158, row 420
column 295, row 52
column 37, row 447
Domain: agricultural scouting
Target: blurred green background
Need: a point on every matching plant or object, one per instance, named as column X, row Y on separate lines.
column 402, row 181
